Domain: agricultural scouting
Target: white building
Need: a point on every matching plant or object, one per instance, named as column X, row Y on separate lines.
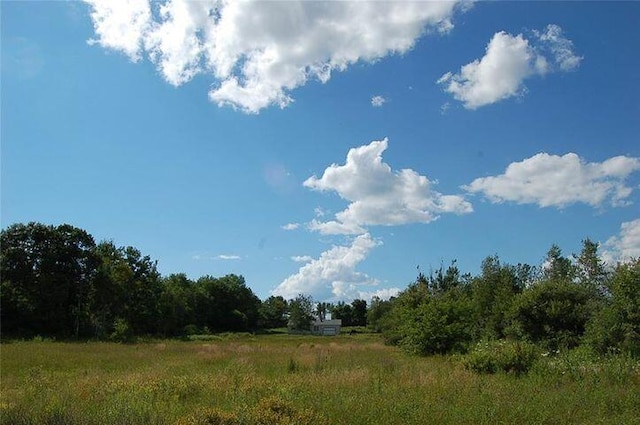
column 326, row 327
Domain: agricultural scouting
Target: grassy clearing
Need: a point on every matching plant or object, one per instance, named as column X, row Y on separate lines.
column 298, row 379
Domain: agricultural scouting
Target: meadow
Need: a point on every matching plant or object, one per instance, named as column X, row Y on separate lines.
column 294, row 379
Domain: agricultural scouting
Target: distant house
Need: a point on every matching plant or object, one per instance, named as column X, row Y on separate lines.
column 326, row 327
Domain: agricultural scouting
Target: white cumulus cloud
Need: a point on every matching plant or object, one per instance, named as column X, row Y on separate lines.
column 558, row 181
column 625, row 246
column 290, row 226
column 378, row 195
column 121, row 25
column 259, row 51
column 508, row 61
column 333, row 275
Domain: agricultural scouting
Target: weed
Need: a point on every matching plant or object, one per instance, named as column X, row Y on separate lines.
column 209, row 416
column 507, row 356
column 292, row 366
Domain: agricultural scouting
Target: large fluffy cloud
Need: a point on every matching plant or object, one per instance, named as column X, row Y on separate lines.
column 258, row 51
column 507, row 62
column 558, row 181
column 378, row 195
column 624, row 246
column 333, row 275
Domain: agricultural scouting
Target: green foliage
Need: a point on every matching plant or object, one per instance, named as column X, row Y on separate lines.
column 552, row 313
column 344, row 312
column 300, row 313
column 273, row 312
column 122, row 332
column 501, row 355
column 358, row 313
column 439, row 325
column 616, row 327
column 57, row 282
column 590, row 268
column 47, row 279
column 585, row 366
column 128, row 286
column 376, row 313
column 177, row 306
column 425, row 320
column 494, row 292
column 558, row 268
column 227, row 304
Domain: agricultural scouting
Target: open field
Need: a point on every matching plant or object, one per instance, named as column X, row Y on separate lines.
column 296, row 379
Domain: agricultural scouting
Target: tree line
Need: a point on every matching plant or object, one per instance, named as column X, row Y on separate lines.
column 56, row 281
column 564, row 303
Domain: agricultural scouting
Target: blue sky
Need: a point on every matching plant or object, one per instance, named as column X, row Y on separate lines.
column 325, row 148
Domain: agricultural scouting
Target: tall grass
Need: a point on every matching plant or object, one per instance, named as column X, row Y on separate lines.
column 298, row 379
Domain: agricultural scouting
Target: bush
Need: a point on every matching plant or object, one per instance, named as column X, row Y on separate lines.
column 437, row 326
column 616, row 327
column 122, row 332
column 507, row 356
column 552, row 313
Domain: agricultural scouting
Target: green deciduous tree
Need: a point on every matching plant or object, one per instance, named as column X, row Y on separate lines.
column 273, row 312
column 616, row 327
column 227, row 304
column 493, row 294
column 359, row 313
column 300, row 313
column 177, row 304
column 344, row 312
column 439, row 325
column 553, row 313
column 47, row 278
column 376, row 313
column 433, row 315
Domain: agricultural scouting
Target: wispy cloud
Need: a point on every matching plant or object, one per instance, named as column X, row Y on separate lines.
column 258, row 51
column 508, row 61
column 558, row 181
column 208, row 257
column 378, row 101
column 228, row 257
column 319, row 212
column 302, row 258
column 290, row 226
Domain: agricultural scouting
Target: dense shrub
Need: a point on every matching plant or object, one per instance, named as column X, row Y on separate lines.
column 502, row 355
column 438, row 325
column 551, row 313
column 122, row 332
column 616, row 327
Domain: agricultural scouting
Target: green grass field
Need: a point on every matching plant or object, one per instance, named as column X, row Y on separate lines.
column 292, row 379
